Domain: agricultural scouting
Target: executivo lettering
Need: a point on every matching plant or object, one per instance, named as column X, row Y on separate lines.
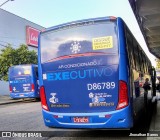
column 79, row 74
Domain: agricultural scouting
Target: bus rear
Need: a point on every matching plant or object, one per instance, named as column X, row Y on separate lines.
column 79, row 76
column 23, row 82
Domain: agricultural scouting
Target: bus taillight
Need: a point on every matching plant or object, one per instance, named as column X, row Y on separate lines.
column 43, row 98
column 123, row 95
column 32, row 87
column 10, row 88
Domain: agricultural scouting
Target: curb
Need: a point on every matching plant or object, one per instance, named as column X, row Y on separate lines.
column 10, row 102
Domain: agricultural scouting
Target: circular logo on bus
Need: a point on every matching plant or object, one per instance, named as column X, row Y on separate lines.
column 75, row 47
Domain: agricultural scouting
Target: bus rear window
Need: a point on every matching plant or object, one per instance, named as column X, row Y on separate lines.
column 19, row 71
column 99, row 37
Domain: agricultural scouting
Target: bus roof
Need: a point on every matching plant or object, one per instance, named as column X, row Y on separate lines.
column 85, row 21
column 24, row 65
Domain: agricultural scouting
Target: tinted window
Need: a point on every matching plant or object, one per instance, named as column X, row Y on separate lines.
column 99, row 37
column 20, row 71
column 36, row 71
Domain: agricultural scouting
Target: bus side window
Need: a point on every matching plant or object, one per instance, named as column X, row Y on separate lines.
column 141, row 60
column 145, row 66
column 130, row 49
column 142, row 64
column 36, row 72
column 136, row 54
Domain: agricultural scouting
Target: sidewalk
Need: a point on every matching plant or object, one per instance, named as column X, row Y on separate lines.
column 155, row 124
column 5, row 99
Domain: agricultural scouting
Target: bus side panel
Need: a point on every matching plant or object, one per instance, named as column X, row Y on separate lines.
column 39, row 64
column 124, row 69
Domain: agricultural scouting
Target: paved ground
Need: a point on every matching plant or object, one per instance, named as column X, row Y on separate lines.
column 27, row 116
column 5, row 99
column 155, row 124
column 30, row 116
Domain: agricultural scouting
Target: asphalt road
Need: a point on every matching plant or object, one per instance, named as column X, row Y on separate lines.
column 27, row 116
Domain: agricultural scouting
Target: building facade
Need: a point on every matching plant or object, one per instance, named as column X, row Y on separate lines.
column 15, row 30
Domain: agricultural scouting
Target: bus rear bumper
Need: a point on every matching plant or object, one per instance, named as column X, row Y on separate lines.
column 24, row 95
column 116, row 119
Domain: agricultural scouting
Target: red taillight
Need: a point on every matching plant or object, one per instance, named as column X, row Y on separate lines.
column 43, row 98
column 123, row 95
column 32, row 87
column 10, row 88
column 107, row 116
column 55, row 116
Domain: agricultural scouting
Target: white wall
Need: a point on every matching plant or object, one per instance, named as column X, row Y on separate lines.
column 4, row 88
column 13, row 31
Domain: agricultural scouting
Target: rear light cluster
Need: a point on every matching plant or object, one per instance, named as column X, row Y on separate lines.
column 10, row 88
column 123, row 95
column 32, row 87
column 43, row 98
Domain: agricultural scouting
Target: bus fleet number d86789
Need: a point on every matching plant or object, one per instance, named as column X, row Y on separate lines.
column 99, row 86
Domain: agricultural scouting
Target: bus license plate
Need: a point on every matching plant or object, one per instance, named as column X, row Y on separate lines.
column 80, row 120
column 21, row 94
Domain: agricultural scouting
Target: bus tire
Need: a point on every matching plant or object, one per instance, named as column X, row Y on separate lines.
column 38, row 99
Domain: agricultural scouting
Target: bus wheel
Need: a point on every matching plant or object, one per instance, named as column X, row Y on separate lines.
column 38, row 99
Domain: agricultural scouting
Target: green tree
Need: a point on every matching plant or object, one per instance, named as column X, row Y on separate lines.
column 10, row 56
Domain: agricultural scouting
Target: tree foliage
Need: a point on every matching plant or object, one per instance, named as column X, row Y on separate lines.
column 10, row 56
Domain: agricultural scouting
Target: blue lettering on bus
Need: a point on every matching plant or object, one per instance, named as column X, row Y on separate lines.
column 80, row 74
column 58, row 76
column 19, row 81
column 99, row 73
column 65, row 75
column 73, row 75
column 50, row 76
column 89, row 72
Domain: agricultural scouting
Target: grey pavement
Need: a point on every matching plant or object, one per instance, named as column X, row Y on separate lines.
column 158, row 95
column 6, row 99
column 4, row 88
column 155, row 123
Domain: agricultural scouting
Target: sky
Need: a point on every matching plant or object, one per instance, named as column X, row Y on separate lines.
column 49, row 13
